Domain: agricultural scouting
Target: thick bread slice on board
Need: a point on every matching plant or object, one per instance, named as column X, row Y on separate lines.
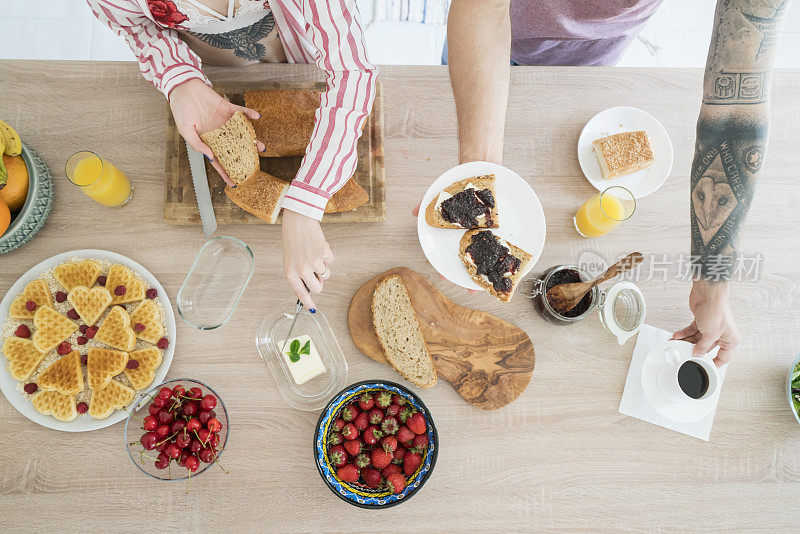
column 399, row 333
column 261, row 195
column 433, row 216
column 524, row 260
column 348, row 198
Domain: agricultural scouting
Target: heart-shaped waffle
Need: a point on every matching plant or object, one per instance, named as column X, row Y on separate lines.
column 38, row 292
column 148, row 359
column 103, row 402
column 62, row 407
column 64, row 375
column 51, row 328
column 119, row 275
column 82, row 273
column 148, row 315
column 89, row 303
column 22, row 356
column 116, row 331
column 102, row 365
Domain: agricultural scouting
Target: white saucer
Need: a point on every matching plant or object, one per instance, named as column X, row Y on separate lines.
column 681, row 412
column 522, row 220
column 626, row 119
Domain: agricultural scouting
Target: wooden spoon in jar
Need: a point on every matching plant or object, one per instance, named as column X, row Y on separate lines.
column 564, row 297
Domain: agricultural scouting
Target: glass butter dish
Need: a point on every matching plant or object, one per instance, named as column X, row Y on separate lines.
column 312, row 371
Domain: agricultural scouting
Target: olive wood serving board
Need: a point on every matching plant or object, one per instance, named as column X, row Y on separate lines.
column 488, row 361
column 180, row 205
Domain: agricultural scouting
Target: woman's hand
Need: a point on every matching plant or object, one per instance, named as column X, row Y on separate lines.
column 198, row 109
column 306, row 256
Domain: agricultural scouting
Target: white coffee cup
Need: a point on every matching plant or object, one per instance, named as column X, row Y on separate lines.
column 668, row 376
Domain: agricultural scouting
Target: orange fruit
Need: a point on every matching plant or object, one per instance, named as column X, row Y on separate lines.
column 5, row 217
column 16, row 189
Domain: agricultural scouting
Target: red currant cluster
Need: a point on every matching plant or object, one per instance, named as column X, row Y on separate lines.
column 182, row 426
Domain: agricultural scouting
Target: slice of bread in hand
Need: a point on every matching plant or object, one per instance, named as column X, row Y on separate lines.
column 287, row 119
column 499, row 263
column 348, row 198
column 262, row 195
column 435, row 217
column 234, row 145
column 399, row 332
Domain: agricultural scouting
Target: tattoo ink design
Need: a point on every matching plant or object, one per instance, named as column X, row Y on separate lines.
column 769, row 27
column 740, row 88
column 245, row 41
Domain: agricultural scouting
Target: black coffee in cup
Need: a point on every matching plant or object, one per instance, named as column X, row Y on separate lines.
column 693, row 379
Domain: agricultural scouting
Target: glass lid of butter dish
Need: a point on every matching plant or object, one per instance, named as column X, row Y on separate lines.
column 311, row 368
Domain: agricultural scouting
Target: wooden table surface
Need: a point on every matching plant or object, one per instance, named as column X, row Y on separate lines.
column 560, row 457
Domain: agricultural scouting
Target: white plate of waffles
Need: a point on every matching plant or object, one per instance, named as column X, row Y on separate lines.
column 626, row 119
column 85, row 328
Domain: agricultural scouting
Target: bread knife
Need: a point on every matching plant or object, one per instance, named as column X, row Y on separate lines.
column 201, row 191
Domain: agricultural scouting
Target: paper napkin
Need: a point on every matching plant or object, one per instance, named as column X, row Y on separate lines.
column 635, row 404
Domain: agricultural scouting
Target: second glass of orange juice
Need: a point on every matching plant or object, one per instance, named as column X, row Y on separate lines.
column 604, row 211
column 99, row 179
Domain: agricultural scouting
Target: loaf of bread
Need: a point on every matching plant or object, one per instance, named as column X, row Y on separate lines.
column 399, row 333
column 348, row 198
column 261, row 195
column 485, row 203
column 234, row 146
column 287, row 119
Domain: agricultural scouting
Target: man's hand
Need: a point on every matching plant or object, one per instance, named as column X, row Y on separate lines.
column 306, row 256
column 198, row 109
column 713, row 323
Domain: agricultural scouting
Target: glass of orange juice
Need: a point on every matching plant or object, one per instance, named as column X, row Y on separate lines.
column 99, row 179
column 604, row 211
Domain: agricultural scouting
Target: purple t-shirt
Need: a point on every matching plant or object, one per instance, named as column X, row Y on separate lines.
column 575, row 32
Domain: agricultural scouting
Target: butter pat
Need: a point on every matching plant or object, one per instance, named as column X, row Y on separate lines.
column 308, row 366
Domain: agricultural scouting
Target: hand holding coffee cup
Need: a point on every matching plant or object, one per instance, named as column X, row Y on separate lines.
column 692, row 379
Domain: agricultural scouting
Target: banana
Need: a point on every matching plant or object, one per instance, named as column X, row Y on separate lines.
column 3, row 171
column 13, row 144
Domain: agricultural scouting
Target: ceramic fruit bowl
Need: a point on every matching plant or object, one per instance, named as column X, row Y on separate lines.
column 31, row 218
column 356, row 473
column 193, row 437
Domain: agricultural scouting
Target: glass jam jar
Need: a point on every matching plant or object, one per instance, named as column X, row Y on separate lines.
column 621, row 307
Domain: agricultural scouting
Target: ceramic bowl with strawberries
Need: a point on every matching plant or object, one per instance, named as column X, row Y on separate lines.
column 376, row 444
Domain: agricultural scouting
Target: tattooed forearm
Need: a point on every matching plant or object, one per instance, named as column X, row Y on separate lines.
column 732, row 128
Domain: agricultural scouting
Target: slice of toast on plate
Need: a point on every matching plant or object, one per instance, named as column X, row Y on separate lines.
column 234, row 146
column 493, row 263
column 468, row 203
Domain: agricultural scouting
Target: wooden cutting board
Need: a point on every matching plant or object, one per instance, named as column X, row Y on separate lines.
column 488, row 361
column 180, row 205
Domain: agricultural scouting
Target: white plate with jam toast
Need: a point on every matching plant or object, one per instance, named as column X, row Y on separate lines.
column 519, row 219
column 83, row 334
column 654, row 162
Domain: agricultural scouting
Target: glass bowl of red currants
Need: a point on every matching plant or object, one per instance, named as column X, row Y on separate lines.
column 177, row 430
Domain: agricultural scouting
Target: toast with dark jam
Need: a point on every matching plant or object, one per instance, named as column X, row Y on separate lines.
column 493, row 263
column 468, row 203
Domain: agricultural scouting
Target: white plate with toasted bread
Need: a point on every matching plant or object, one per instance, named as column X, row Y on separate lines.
column 520, row 216
column 617, row 120
column 82, row 423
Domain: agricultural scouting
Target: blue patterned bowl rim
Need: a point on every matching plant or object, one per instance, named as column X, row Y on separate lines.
column 36, row 209
column 356, row 494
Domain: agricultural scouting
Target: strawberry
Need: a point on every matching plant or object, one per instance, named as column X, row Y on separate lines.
column 353, row 447
column 389, row 425
column 366, row 402
column 416, row 423
column 404, row 434
column 372, row 477
column 384, row 399
column 411, row 462
column 393, row 410
column 389, row 443
column 348, row 473
column 349, row 431
column 362, row 460
column 339, row 424
column 381, row 458
column 398, row 399
column 349, row 413
column 420, row 442
column 396, row 482
column 335, row 439
column 372, row 435
column 405, row 413
column 399, row 453
column 391, row 469
column 361, row 421
column 337, row 455
column 375, row 416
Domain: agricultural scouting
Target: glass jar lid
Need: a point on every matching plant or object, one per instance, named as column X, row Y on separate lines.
column 622, row 310
column 321, row 369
